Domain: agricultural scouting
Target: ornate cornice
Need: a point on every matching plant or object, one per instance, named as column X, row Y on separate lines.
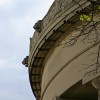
column 62, row 18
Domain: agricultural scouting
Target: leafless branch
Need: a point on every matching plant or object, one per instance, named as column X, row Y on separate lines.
column 95, row 66
column 88, row 28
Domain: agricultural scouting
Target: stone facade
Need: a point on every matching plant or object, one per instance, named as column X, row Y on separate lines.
column 64, row 58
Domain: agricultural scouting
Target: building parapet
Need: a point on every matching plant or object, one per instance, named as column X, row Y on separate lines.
column 62, row 9
column 55, row 11
column 60, row 13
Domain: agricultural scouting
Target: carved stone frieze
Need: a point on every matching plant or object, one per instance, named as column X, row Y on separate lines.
column 62, row 4
column 56, row 8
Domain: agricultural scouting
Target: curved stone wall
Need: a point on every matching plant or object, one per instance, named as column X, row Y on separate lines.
column 63, row 15
column 65, row 67
column 53, row 67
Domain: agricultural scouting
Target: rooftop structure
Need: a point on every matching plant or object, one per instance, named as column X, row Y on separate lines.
column 63, row 61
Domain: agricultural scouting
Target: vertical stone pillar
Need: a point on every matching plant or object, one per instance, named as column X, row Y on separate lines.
column 96, row 84
column 99, row 95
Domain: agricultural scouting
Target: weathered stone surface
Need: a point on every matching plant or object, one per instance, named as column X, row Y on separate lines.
column 38, row 26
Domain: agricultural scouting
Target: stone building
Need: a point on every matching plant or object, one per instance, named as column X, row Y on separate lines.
column 64, row 60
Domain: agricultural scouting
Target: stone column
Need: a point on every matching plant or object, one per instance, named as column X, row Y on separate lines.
column 99, row 95
column 96, row 84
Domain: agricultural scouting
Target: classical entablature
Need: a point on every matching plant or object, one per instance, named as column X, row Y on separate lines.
column 63, row 18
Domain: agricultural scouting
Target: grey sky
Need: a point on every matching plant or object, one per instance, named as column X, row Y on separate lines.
column 17, row 18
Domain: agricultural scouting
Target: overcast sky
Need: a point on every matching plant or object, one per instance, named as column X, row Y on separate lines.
column 17, row 18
